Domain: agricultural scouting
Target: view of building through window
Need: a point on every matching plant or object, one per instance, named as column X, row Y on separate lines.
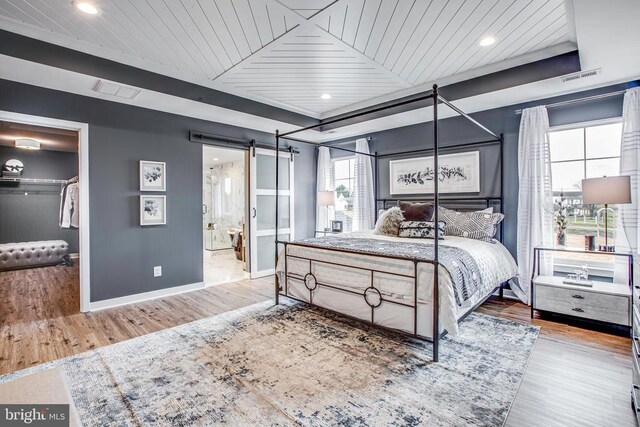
column 343, row 170
column 578, row 153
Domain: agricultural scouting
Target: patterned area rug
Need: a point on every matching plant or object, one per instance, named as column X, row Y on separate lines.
column 286, row 365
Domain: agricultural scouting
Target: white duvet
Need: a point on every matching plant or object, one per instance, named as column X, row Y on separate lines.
column 345, row 270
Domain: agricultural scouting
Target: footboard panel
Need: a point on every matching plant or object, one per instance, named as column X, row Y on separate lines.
column 357, row 285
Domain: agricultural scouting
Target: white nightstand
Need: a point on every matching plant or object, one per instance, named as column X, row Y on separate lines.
column 605, row 302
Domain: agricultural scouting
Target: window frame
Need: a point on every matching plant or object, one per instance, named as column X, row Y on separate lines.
column 567, row 265
column 584, row 126
column 350, row 179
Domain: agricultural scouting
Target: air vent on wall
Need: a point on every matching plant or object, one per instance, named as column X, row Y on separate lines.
column 581, row 75
column 115, row 89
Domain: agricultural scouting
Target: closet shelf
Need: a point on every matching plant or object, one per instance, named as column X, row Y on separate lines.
column 38, row 181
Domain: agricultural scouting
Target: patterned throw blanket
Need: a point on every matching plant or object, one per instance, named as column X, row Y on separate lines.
column 463, row 269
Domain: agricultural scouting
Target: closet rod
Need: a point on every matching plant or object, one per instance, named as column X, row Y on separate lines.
column 576, row 101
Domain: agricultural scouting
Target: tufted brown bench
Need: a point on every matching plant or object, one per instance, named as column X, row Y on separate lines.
column 32, row 254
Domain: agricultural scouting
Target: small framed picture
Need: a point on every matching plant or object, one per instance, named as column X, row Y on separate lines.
column 153, row 176
column 336, row 226
column 153, row 210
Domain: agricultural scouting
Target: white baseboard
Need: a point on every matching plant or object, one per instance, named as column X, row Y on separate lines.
column 145, row 296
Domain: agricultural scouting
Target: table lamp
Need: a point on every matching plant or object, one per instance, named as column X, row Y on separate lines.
column 615, row 190
column 326, row 198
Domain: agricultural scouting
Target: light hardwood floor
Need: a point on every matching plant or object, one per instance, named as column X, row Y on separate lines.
column 576, row 376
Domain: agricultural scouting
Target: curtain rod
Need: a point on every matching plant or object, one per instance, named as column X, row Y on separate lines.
column 576, row 101
column 350, row 141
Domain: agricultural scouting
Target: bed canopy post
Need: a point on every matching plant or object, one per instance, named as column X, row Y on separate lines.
column 375, row 185
column 501, row 190
column 436, row 200
column 277, row 284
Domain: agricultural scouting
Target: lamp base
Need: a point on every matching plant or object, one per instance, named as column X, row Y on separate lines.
column 606, row 248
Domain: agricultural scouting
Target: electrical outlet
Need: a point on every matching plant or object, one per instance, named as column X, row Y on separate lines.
column 157, row 271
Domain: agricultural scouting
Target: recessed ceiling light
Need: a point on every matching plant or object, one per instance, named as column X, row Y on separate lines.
column 325, row 96
column 87, row 8
column 27, row 144
column 487, row 41
column 215, row 159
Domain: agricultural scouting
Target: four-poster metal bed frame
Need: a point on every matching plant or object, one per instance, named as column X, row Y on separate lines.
column 310, row 281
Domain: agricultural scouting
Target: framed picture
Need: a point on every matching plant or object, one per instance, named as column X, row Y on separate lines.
column 153, row 210
column 153, row 176
column 336, row 226
column 458, row 173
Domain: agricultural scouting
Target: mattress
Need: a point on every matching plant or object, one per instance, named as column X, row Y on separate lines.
column 394, row 277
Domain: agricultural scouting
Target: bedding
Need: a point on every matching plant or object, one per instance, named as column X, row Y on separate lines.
column 474, row 225
column 388, row 222
column 493, row 264
column 416, row 211
column 422, row 229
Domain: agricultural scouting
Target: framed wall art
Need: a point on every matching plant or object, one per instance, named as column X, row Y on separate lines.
column 153, row 210
column 458, row 173
column 153, row 176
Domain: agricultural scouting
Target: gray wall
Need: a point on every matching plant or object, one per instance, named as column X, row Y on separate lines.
column 123, row 253
column 502, row 120
column 31, row 212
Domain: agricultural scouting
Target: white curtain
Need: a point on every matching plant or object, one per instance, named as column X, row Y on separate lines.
column 324, row 182
column 363, row 197
column 627, row 236
column 535, row 198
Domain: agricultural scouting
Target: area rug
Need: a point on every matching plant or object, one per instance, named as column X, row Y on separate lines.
column 285, row 365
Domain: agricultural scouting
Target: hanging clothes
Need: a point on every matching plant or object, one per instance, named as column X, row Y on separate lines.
column 70, row 204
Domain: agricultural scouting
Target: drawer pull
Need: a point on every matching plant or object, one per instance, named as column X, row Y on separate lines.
column 577, row 296
column 579, row 310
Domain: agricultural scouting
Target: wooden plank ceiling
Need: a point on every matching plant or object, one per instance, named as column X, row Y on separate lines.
column 290, row 52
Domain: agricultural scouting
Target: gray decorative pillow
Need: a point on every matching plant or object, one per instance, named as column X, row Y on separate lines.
column 474, row 225
column 388, row 222
column 420, row 229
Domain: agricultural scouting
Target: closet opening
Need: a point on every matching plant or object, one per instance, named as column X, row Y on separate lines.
column 39, row 221
column 224, row 212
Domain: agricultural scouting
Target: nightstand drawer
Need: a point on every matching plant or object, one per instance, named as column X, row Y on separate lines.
column 588, row 305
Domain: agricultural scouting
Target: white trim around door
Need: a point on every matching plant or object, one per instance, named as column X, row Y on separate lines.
column 83, row 154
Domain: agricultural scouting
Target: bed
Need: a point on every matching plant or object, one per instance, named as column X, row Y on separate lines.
column 366, row 276
column 415, row 286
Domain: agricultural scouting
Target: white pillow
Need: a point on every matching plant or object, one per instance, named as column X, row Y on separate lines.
column 388, row 222
column 487, row 210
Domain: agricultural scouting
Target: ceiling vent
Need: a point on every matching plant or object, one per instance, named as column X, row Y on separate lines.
column 580, row 75
column 114, row 89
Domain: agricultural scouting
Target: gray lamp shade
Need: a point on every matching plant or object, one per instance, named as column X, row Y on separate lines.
column 612, row 190
column 326, row 198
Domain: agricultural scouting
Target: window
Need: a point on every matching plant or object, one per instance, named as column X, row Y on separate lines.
column 584, row 152
column 343, row 172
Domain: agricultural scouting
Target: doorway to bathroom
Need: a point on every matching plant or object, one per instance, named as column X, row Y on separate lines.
column 224, row 196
